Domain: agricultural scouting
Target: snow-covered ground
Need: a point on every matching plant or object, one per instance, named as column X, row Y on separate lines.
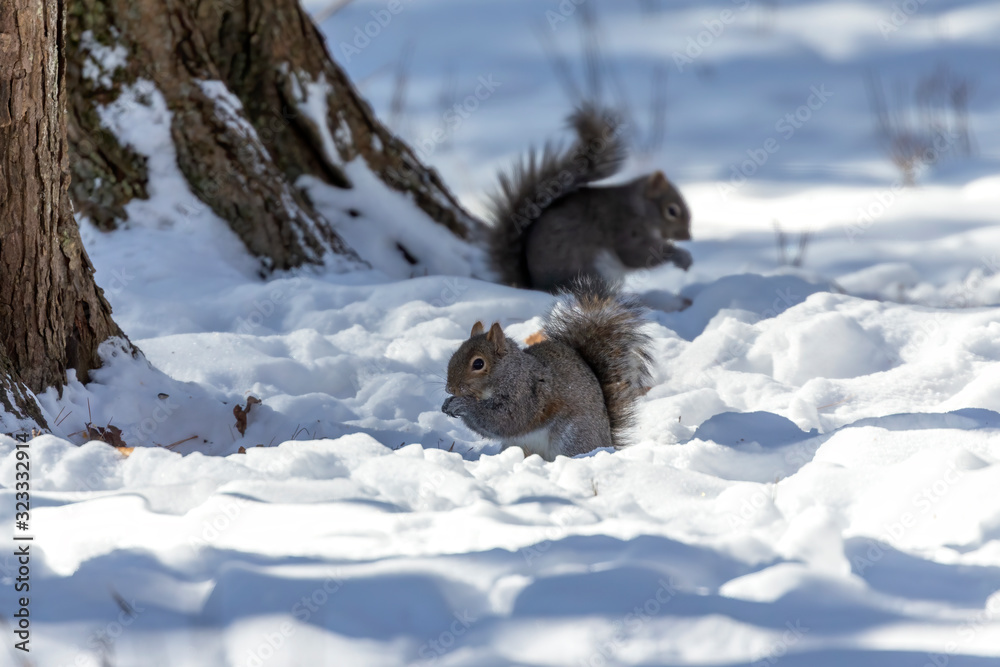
column 816, row 470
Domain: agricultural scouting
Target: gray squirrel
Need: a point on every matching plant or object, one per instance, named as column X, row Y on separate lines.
column 570, row 393
column 549, row 226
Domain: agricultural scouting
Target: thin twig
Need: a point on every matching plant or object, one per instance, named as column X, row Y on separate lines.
column 59, row 423
column 180, row 442
column 830, row 405
column 397, row 106
column 658, row 110
column 592, row 53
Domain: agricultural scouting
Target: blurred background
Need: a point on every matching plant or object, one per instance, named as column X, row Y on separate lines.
column 828, row 135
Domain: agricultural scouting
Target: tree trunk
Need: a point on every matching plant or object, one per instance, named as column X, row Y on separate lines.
column 52, row 315
column 305, row 115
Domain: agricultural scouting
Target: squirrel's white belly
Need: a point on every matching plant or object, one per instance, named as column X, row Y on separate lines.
column 538, row 442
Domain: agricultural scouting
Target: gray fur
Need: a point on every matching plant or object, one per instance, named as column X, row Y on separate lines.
column 569, row 394
column 604, row 327
column 533, row 184
column 522, row 381
column 550, row 227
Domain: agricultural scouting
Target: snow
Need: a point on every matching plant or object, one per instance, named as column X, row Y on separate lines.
column 387, row 225
column 230, row 109
column 312, row 101
column 815, row 469
column 376, row 221
column 102, row 60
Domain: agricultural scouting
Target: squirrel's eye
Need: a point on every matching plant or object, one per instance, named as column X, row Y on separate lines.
column 477, row 364
column 673, row 212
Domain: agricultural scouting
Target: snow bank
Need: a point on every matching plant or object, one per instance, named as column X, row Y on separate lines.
column 348, row 548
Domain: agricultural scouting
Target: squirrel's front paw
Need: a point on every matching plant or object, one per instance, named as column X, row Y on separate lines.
column 681, row 258
column 450, row 406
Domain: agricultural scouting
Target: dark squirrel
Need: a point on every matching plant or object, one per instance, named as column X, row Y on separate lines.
column 550, row 226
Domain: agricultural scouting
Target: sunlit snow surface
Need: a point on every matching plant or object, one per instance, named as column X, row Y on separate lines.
column 816, row 470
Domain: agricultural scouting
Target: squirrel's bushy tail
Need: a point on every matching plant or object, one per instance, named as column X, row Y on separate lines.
column 604, row 326
column 542, row 177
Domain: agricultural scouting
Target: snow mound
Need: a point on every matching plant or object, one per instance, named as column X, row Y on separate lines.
column 345, row 545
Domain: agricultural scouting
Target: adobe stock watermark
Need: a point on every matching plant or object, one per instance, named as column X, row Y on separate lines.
column 561, row 520
column 120, row 278
column 713, row 30
column 736, row 348
column 901, row 14
column 303, row 610
column 779, row 647
column 923, row 501
column 453, row 118
column 407, row 173
column 142, row 432
column 763, row 496
column 660, row 254
column 222, row 520
column 434, row 648
column 786, row 127
column 251, row 150
column 987, row 269
column 370, row 371
column 451, row 292
column 431, row 482
column 100, row 643
column 531, row 207
column 452, row 289
column 264, row 307
column 631, row 624
column 562, row 13
column 967, row 632
column 871, row 212
column 364, row 34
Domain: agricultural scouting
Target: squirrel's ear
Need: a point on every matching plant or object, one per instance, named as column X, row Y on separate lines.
column 477, row 329
column 496, row 337
column 657, row 184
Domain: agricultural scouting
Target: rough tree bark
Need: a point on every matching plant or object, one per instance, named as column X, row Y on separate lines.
column 271, row 57
column 52, row 315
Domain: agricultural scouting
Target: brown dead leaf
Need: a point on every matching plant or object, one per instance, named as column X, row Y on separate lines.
column 110, row 434
column 241, row 450
column 125, row 451
column 241, row 414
